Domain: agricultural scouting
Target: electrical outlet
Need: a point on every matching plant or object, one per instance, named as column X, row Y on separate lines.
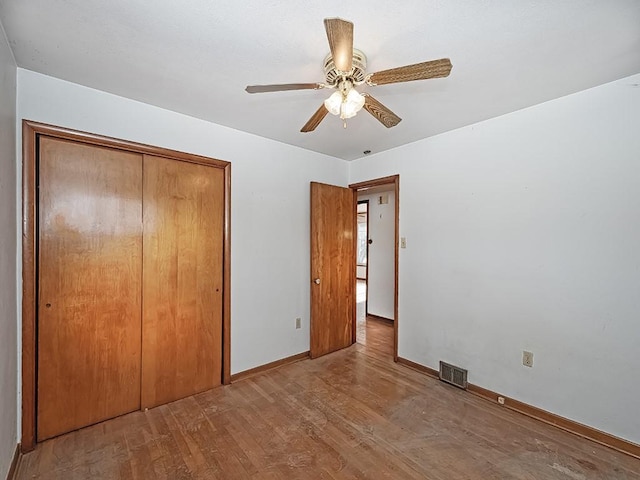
column 527, row 359
column 298, row 322
column 501, row 400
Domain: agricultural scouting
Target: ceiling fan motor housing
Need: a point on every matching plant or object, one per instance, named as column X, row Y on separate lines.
column 357, row 75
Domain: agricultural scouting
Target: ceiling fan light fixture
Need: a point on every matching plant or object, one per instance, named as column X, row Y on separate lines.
column 345, row 105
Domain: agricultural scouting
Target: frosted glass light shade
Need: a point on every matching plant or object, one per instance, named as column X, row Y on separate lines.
column 333, row 103
column 352, row 104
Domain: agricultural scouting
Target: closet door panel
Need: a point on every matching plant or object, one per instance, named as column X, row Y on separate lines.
column 89, row 296
column 182, row 279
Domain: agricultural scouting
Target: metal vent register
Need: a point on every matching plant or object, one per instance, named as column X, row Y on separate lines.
column 454, row 375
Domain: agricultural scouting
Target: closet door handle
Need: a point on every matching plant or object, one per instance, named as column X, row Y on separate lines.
column 317, row 281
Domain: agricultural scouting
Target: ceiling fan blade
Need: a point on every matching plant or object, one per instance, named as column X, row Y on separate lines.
column 340, row 36
column 283, row 87
column 382, row 113
column 419, row 71
column 315, row 119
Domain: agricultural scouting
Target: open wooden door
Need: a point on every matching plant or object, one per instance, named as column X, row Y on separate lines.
column 333, row 232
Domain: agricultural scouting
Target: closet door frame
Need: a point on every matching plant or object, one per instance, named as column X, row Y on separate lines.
column 31, row 131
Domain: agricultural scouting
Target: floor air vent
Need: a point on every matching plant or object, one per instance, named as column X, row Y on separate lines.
column 454, row 375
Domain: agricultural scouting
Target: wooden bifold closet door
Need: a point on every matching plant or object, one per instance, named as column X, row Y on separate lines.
column 182, row 287
column 130, row 282
column 90, row 292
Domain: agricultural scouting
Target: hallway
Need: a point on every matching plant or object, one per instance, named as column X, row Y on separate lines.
column 375, row 333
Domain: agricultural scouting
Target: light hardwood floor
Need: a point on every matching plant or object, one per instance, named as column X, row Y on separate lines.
column 353, row 414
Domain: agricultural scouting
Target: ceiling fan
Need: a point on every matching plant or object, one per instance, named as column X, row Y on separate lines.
column 345, row 68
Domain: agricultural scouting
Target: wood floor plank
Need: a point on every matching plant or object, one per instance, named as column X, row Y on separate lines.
column 353, row 414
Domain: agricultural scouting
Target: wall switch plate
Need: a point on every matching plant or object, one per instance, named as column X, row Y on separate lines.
column 298, row 322
column 527, row 359
column 403, row 242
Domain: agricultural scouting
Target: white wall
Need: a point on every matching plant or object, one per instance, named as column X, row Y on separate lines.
column 381, row 254
column 523, row 232
column 270, row 204
column 8, row 238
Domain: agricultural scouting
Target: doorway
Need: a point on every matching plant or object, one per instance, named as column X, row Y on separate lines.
column 377, row 264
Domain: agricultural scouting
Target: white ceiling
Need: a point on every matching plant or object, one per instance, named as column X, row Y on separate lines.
column 196, row 57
